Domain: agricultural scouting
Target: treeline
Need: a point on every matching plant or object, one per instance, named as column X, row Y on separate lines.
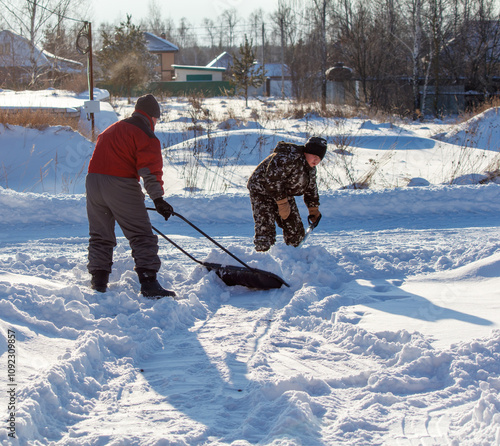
column 400, row 51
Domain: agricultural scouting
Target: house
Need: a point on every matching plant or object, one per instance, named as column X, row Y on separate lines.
column 188, row 73
column 165, row 51
column 212, row 72
column 190, row 79
column 22, row 63
column 277, row 80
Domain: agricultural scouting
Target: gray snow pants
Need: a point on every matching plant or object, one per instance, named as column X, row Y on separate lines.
column 113, row 199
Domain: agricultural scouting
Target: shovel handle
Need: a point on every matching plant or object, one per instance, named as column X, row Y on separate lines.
column 208, row 237
column 176, row 245
column 212, row 240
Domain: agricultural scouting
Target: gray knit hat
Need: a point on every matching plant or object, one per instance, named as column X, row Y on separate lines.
column 149, row 105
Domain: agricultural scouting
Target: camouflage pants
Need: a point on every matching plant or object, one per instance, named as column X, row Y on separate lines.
column 266, row 216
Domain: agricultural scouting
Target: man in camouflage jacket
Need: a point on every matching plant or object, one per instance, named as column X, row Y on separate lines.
column 289, row 171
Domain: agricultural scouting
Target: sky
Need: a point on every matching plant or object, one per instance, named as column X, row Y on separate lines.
column 194, row 10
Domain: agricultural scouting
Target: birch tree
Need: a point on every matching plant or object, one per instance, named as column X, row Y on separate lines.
column 31, row 18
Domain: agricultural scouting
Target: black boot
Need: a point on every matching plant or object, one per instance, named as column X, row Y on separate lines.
column 150, row 287
column 99, row 281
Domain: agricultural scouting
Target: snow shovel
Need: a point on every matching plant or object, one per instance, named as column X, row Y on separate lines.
column 229, row 274
column 312, row 225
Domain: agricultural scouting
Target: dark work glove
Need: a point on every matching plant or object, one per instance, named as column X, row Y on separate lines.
column 314, row 215
column 163, row 208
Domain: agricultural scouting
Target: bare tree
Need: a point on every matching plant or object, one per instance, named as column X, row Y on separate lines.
column 154, row 21
column 230, row 18
column 416, row 54
column 484, row 47
column 257, row 29
column 186, row 39
column 320, row 12
column 184, row 36
column 282, row 18
column 410, row 38
column 473, row 52
column 436, row 31
column 209, row 26
column 33, row 19
column 355, row 43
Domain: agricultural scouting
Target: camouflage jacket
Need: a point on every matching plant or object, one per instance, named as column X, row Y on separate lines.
column 285, row 173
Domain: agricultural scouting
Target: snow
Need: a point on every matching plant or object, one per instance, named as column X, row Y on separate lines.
column 389, row 332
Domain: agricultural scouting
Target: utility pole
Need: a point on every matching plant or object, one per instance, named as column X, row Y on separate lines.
column 85, row 47
column 91, row 79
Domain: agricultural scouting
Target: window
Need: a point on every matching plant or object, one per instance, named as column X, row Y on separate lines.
column 199, row 77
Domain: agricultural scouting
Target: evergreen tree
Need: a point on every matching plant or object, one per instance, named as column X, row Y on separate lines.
column 245, row 72
column 124, row 59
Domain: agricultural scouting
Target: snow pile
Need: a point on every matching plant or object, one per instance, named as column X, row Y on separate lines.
column 481, row 131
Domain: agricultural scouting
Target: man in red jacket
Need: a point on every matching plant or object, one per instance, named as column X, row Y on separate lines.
column 124, row 152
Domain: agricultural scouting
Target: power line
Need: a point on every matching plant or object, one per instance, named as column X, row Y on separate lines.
column 238, row 30
column 54, row 12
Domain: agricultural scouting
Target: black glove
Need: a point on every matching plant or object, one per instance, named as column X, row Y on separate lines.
column 163, row 208
column 314, row 216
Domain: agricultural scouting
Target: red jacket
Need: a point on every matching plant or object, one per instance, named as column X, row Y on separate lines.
column 130, row 149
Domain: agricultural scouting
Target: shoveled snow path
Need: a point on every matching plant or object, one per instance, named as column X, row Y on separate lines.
column 291, row 364
column 292, row 353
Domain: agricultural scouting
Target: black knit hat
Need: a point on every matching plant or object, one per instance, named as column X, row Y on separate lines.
column 149, row 105
column 316, row 146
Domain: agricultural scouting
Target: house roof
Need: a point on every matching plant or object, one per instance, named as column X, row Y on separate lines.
column 224, row 60
column 156, row 44
column 192, row 67
column 339, row 72
column 62, row 64
column 272, row 70
column 18, row 53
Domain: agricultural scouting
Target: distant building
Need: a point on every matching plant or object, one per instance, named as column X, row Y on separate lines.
column 187, row 73
column 165, row 51
column 191, row 79
column 22, row 63
column 278, row 81
column 277, row 76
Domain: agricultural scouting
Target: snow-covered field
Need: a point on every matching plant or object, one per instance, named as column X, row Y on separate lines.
column 388, row 334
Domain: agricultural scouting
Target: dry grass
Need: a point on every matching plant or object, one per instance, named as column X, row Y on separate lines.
column 300, row 110
column 486, row 105
column 77, row 83
column 38, row 119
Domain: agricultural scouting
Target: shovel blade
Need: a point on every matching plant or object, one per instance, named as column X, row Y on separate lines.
column 250, row 278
